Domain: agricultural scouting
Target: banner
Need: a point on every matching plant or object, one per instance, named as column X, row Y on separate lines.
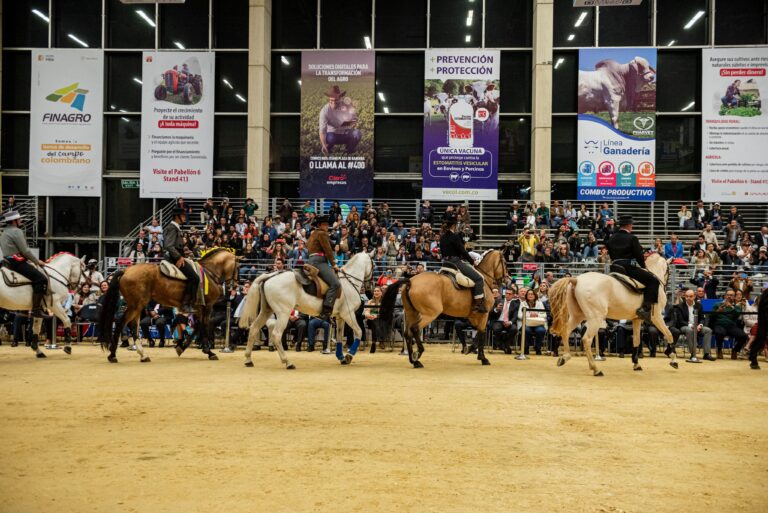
column 177, row 125
column 461, row 124
column 734, row 160
column 337, row 100
column 617, row 124
column 66, row 122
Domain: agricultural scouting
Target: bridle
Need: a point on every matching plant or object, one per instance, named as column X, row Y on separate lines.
column 353, row 280
column 500, row 266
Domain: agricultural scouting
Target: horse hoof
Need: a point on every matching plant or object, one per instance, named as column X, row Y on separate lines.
column 599, row 374
column 485, row 361
column 67, row 349
column 179, row 350
column 212, row 357
column 560, row 361
column 145, row 359
column 112, row 359
column 674, row 365
column 637, row 368
column 347, row 359
column 40, row 355
column 418, row 365
column 249, row 364
column 290, row 366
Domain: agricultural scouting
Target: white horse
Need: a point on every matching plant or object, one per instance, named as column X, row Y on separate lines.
column 64, row 271
column 279, row 293
column 595, row 297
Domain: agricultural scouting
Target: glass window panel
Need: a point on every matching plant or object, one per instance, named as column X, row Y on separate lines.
column 345, row 24
column 14, row 141
column 284, row 188
column 75, row 216
column 231, row 82
column 230, row 24
column 286, row 89
column 123, row 82
column 132, row 209
column 294, row 24
column 59, row 246
column 230, row 139
column 130, row 25
column 451, row 25
column 515, row 145
column 123, row 142
column 230, row 188
column 682, row 22
column 401, row 24
column 564, row 144
column 16, row 84
column 184, row 25
column 284, row 147
column 515, row 82
column 17, row 185
column 677, row 144
column 77, row 23
column 398, row 144
column 397, row 189
column 25, row 23
column 679, row 81
column 626, row 25
column 572, row 26
column 508, row 23
column 677, row 191
column 399, row 82
column 565, row 76
column 743, row 22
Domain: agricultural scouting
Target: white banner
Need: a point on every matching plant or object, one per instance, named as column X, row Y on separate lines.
column 66, row 122
column 734, row 160
column 177, row 125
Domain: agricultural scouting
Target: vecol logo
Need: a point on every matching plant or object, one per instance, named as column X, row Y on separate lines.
column 75, row 98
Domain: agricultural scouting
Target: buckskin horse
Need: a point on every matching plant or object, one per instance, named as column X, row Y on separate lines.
column 141, row 283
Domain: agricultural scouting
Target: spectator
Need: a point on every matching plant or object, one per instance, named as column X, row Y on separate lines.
column 688, row 319
column 542, row 215
column 707, row 282
column 535, row 322
column 734, row 215
column 712, row 256
column 730, row 259
column 673, row 250
column 309, row 208
column 726, row 322
column 761, row 262
column 504, row 325
column 514, row 217
column 528, row 242
column 138, row 255
column 700, row 215
column 761, row 239
column 296, row 321
column 315, row 323
column 699, row 244
column 426, row 214
column 715, row 217
column 545, row 256
column 685, row 218
column 604, row 257
column 741, row 282
column 557, row 214
column 732, row 232
column 372, row 317
column 604, row 215
column 591, row 247
column 710, row 237
column 151, row 316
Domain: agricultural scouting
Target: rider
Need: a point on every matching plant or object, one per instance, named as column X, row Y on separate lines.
column 321, row 256
column 17, row 256
column 174, row 248
column 625, row 250
column 453, row 251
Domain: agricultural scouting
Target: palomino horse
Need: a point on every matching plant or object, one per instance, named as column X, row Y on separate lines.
column 64, row 271
column 595, row 297
column 143, row 282
column 279, row 293
column 427, row 295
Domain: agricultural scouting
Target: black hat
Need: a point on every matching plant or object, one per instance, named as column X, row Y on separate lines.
column 178, row 211
column 322, row 219
column 450, row 220
column 625, row 220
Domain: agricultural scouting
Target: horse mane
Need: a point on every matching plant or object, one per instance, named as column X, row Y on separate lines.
column 213, row 251
column 52, row 257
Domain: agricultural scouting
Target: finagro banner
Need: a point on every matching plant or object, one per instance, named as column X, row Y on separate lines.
column 177, row 125
column 337, row 102
column 66, row 122
column 617, row 124
column 462, row 101
column 734, row 163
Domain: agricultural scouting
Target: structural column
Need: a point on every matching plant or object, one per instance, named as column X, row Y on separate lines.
column 259, row 73
column 541, row 124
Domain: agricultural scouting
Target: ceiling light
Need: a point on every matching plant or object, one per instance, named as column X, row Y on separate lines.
column 179, row 45
column 559, row 62
column 41, row 15
column 368, row 44
column 285, row 60
column 694, row 19
column 386, row 110
column 227, row 83
column 581, row 19
column 521, row 120
column 239, row 97
column 571, row 37
column 469, row 22
column 689, row 106
column 381, row 97
column 112, row 107
column 125, row 119
column 78, row 41
column 467, row 38
column 121, row 110
column 299, row 81
column 671, row 42
column 138, row 81
column 470, row 13
column 146, row 18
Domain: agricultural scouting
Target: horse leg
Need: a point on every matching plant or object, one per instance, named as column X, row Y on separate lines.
column 34, row 341
column 277, row 332
column 253, row 333
column 636, row 347
column 481, row 348
column 413, row 355
column 658, row 321
column 566, row 342
column 586, row 341
column 131, row 318
column 61, row 315
column 207, row 334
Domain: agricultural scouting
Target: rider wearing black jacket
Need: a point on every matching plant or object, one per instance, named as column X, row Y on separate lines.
column 453, row 251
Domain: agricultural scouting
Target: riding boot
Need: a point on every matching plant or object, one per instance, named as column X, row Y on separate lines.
column 325, row 315
column 37, row 304
column 719, row 354
column 644, row 312
column 162, row 343
column 479, row 305
column 373, row 347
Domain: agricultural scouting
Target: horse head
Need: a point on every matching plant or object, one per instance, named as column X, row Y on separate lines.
column 494, row 266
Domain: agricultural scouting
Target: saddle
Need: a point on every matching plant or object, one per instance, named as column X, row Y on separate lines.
column 458, row 280
column 309, row 278
column 169, row 270
column 632, row 285
column 14, row 279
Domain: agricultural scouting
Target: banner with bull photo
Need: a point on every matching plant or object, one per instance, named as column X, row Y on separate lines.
column 617, row 124
column 66, row 120
column 177, row 125
column 462, row 101
column 734, row 166
column 337, row 102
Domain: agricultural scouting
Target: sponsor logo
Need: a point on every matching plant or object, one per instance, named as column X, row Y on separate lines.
column 482, row 114
column 465, row 177
column 643, row 123
column 71, row 95
column 607, row 168
column 626, row 169
column 454, row 176
column 646, row 169
column 587, row 168
column 591, row 146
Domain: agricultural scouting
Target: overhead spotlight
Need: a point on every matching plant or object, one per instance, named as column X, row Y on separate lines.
column 559, row 62
column 240, row 97
column 227, row 83
column 381, row 97
column 285, row 60
column 146, row 18
column 367, row 41
column 77, row 40
column 179, row 45
column 688, row 107
column 467, row 38
column 39, row 14
column 581, row 19
column 386, row 110
column 671, row 42
column 138, row 81
column 571, row 37
column 694, row 20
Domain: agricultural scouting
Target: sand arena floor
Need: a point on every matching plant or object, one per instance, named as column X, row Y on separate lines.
column 187, row 435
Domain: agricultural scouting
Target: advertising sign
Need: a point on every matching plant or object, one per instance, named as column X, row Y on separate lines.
column 177, row 125
column 66, row 122
column 617, row 124
column 337, row 102
column 734, row 160
column 462, row 101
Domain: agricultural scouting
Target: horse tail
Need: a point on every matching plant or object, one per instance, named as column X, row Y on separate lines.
column 558, row 303
column 253, row 301
column 109, row 309
column 387, row 308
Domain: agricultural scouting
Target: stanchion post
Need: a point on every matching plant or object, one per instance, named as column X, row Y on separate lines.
column 51, row 343
column 522, row 356
column 227, row 348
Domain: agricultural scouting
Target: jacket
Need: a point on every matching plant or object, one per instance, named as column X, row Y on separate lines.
column 13, row 242
column 452, row 246
column 622, row 245
column 320, row 242
column 173, row 241
column 680, row 315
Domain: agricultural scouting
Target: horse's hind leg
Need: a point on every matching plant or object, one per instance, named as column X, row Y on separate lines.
column 481, row 348
column 132, row 318
column 586, row 341
column 34, row 342
column 275, row 333
column 253, row 334
column 413, row 355
column 636, row 346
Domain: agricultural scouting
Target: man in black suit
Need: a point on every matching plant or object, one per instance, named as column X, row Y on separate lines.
column 708, row 282
column 504, row 327
column 154, row 315
column 687, row 318
column 761, row 239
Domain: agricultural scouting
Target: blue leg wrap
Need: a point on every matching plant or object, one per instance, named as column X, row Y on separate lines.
column 339, row 352
column 354, row 346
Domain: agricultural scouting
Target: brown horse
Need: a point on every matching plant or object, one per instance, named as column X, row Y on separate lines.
column 143, row 282
column 427, row 295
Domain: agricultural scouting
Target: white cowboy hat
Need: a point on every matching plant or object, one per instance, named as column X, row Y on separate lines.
column 11, row 215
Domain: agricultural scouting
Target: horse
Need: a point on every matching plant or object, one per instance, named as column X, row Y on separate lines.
column 279, row 293
column 141, row 283
column 595, row 297
column 427, row 295
column 64, row 271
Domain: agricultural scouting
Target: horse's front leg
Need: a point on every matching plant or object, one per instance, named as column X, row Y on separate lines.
column 481, row 347
column 61, row 315
column 34, row 339
column 636, row 347
column 206, row 332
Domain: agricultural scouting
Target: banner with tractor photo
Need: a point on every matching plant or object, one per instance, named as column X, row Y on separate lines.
column 177, row 125
column 336, row 146
column 734, row 161
column 617, row 124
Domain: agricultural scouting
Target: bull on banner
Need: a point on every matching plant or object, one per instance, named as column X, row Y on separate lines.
column 336, row 147
column 462, row 102
column 617, row 124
